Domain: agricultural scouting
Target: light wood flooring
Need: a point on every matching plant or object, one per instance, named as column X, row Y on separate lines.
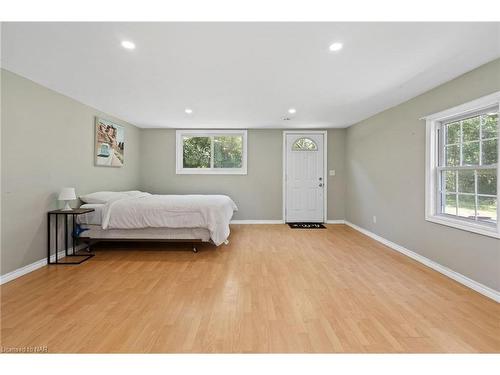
column 272, row 289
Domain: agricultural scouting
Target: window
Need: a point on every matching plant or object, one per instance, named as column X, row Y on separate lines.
column 462, row 166
column 211, row 151
column 304, row 144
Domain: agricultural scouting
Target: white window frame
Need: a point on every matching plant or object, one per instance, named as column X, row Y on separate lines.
column 433, row 122
column 209, row 133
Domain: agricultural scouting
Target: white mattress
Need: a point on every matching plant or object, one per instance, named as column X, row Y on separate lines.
column 95, row 217
column 146, row 210
column 95, row 231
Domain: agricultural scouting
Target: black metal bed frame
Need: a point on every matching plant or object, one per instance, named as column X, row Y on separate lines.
column 92, row 241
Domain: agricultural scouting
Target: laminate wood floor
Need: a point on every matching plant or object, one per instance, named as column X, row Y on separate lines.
column 272, row 289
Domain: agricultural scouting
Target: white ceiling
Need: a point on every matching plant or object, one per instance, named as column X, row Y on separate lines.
column 245, row 75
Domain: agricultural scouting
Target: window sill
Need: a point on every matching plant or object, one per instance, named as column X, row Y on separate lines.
column 211, row 171
column 484, row 230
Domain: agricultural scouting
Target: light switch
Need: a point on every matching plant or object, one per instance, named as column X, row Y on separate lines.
column 332, row 172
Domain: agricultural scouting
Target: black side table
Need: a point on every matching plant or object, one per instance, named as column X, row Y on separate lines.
column 74, row 213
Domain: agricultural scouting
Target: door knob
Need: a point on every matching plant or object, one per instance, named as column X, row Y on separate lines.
column 320, row 184
column 321, row 178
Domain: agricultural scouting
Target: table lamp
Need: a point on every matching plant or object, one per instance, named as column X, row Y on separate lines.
column 67, row 194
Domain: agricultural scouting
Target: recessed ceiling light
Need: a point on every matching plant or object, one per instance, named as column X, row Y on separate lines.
column 337, row 46
column 127, row 44
column 188, row 111
column 292, row 111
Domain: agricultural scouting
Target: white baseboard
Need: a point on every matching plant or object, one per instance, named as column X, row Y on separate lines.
column 257, row 222
column 335, row 221
column 31, row 267
column 277, row 222
column 464, row 280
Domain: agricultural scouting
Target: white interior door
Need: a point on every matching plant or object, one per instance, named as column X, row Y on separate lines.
column 304, row 178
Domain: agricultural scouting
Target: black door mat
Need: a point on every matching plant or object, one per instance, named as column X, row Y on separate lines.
column 306, row 226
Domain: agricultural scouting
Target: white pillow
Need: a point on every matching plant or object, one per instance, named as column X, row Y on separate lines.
column 102, row 197
column 133, row 193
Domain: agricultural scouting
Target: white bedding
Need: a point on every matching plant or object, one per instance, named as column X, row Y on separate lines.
column 92, row 218
column 212, row 212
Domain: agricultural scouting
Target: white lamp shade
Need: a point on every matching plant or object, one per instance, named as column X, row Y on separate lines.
column 67, row 194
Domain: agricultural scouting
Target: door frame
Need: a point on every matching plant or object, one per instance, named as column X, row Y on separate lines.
column 325, row 168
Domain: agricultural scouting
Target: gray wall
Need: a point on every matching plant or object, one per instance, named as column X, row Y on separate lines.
column 336, row 184
column 257, row 194
column 47, row 143
column 385, row 160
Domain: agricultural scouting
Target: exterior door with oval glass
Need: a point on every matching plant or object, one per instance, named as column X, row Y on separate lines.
column 304, row 177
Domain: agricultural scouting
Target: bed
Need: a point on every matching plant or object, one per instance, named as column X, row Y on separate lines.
column 140, row 216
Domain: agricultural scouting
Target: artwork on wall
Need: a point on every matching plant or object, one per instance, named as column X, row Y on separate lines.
column 109, row 143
